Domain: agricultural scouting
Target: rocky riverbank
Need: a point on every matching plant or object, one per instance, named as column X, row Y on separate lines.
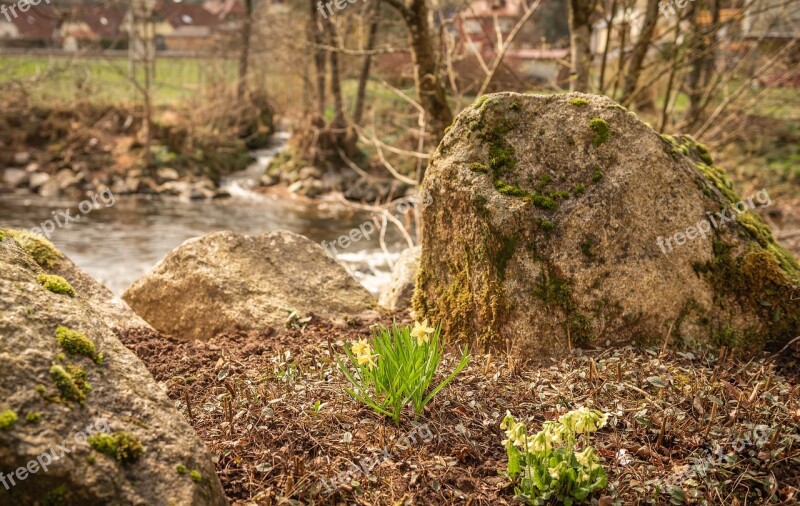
column 84, row 148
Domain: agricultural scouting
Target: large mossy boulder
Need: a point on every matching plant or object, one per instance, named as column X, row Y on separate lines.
column 82, row 421
column 544, row 233
column 226, row 282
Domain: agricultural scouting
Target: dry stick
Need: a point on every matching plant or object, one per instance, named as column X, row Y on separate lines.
column 663, row 429
column 358, row 170
column 382, row 241
column 666, row 338
column 710, row 419
column 389, row 147
column 188, row 401
column 785, row 347
column 504, row 45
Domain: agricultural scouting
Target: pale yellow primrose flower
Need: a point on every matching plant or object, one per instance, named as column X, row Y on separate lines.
column 584, row 420
column 422, row 332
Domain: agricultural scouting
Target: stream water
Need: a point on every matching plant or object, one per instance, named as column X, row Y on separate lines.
column 118, row 244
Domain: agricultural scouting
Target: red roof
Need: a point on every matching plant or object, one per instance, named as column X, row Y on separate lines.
column 105, row 21
column 185, row 14
column 39, row 23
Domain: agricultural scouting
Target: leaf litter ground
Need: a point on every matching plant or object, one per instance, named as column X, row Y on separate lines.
column 684, row 428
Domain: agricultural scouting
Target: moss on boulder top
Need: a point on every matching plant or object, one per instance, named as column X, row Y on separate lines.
column 590, row 233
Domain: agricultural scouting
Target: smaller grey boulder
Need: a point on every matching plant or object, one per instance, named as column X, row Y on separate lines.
column 397, row 296
column 225, row 282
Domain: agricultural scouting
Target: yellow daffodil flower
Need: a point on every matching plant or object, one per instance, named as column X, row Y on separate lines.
column 422, row 332
column 363, row 353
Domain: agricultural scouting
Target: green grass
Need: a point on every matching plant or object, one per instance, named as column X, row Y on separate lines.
column 107, row 79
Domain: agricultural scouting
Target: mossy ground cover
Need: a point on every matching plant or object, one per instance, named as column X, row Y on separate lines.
column 274, row 410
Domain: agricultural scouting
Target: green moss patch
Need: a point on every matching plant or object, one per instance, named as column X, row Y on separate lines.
column 70, row 382
column 597, row 175
column 557, row 293
column 543, row 202
column 33, row 417
column 579, row 102
column 480, row 168
column 75, row 342
column 58, row 496
column 196, row 476
column 56, row 284
column 7, row 419
column 760, row 282
column 181, row 469
column 601, row 131
column 40, row 249
column 122, row 446
column 509, row 190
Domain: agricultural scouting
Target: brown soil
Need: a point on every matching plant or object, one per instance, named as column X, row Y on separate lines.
column 272, row 407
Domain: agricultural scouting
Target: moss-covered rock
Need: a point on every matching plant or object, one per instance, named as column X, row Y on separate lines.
column 558, row 242
column 48, row 376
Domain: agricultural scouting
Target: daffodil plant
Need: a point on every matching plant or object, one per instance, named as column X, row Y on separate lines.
column 545, row 466
column 397, row 368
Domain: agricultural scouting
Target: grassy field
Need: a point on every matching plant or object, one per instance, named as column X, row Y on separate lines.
column 107, row 79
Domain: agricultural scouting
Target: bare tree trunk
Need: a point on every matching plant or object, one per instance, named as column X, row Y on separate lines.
column 315, row 36
column 639, row 52
column 244, row 56
column 623, row 33
column 580, row 37
column 361, row 94
column 609, row 33
column 339, row 121
column 673, row 70
column 702, row 69
column 426, row 70
column 697, row 47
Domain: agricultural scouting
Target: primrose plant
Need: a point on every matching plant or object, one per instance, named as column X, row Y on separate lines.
column 546, row 468
column 397, row 368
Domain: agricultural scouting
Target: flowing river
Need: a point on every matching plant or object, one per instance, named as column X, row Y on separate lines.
column 118, row 244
